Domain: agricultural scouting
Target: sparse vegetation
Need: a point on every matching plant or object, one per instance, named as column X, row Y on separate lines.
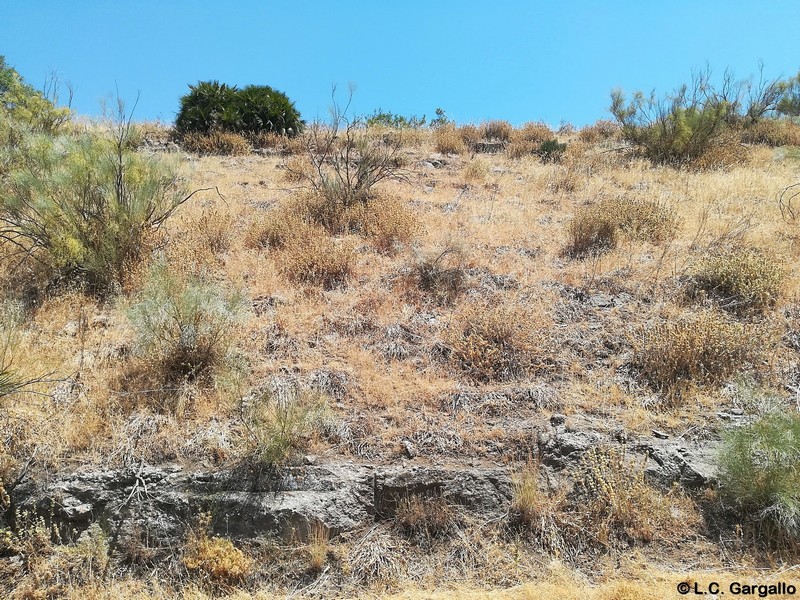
column 301, row 334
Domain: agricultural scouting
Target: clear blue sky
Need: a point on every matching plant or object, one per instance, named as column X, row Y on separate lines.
column 518, row 60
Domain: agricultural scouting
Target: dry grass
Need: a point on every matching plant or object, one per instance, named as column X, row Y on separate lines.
column 316, row 259
column 448, row 140
column 220, row 142
column 702, row 348
column 498, row 340
column 740, row 279
column 214, row 558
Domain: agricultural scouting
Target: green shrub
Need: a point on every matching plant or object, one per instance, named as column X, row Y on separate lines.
column 279, row 422
column 381, row 118
column 678, row 129
column 741, row 280
column 697, row 123
column 551, row 150
column 760, row 474
column 22, row 105
column 212, row 106
column 184, row 325
column 85, row 206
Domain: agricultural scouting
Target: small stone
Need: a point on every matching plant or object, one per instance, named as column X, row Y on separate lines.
column 409, row 449
column 71, row 328
column 310, row 459
column 660, row 434
column 100, row 321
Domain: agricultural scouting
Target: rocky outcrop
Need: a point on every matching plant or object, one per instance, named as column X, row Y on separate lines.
column 158, row 503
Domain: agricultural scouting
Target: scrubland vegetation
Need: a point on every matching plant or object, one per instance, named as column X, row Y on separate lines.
column 278, row 291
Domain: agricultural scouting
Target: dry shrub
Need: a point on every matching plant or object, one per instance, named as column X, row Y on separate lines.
column 213, row 231
column 267, row 140
column 535, row 133
column 610, row 505
column 275, row 228
column 470, row 135
column 442, row 274
column 213, row 558
column 615, row 503
column 447, row 140
column 496, row 130
column 388, row 221
column 601, row 131
column 425, row 517
column 772, row 132
column 497, row 341
column 476, row 170
column 334, row 217
column 596, row 227
column 312, row 257
column 218, row 142
column 723, row 153
column 700, row 348
column 297, row 168
column 742, row 280
column 564, row 179
column 378, row 557
column 46, row 564
column 645, row 220
column 518, row 149
column 593, row 230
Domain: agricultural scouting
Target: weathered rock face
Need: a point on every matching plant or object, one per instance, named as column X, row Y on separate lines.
column 160, row 502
